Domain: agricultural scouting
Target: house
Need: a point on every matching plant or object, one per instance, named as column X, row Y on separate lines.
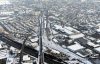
column 93, row 44
column 97, row 49
column 75, row 47
column 76, row 36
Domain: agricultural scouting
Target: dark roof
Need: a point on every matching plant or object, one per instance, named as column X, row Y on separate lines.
column 81, row 41
column 96, row 35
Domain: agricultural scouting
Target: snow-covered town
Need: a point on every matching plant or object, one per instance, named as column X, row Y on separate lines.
column 49, row 32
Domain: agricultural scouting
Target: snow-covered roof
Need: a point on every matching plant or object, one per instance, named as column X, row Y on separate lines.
column 71, row 29
column 73, row 62
column 98, row 30
column 75, row 47
column 98, row 24
column 3, row 2
column 92, row 44
column 3, row 18
column 0, row 46
column 44, row 48
column 1, row 42
column 25, row 57
column 54, row 32
column 57, row 27
column 27, row 63
column 91, row 11
column 12, row 48
column 9, row 60
column 54, row 51
column 34, row 40
column 68, row 30
column 91, row 38
column 98, row 41
column 6, row 13
column 55, row 40
column 80, row 54
column 77, row 36
column 3, row 54
column 97, row 49
column 34, row 45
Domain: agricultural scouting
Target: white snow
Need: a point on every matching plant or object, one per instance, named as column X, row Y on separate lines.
column 25, row 58
column 98, row 30
column 63, row 46
column 3, row 18
column 74, row 62
column 98, row 41
column 34, row 40
column 58, row 27
column 3, row 54
column 98, row 27
column 0, row 46
column 97, row 49
column 98, row 24
column 54, row 32
column 3, row 2
column 63, row 29
column 55, row 40
column 68, row 30
column 77, row 36
column 12, row 48
column 75, row 47
column 71, row 29
column 92, row 44
column 44, row 48
column 80, row 54
column 9, row 61
column 54, row 51
column 34, row 45
column 91, row 11
column 6, row 13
